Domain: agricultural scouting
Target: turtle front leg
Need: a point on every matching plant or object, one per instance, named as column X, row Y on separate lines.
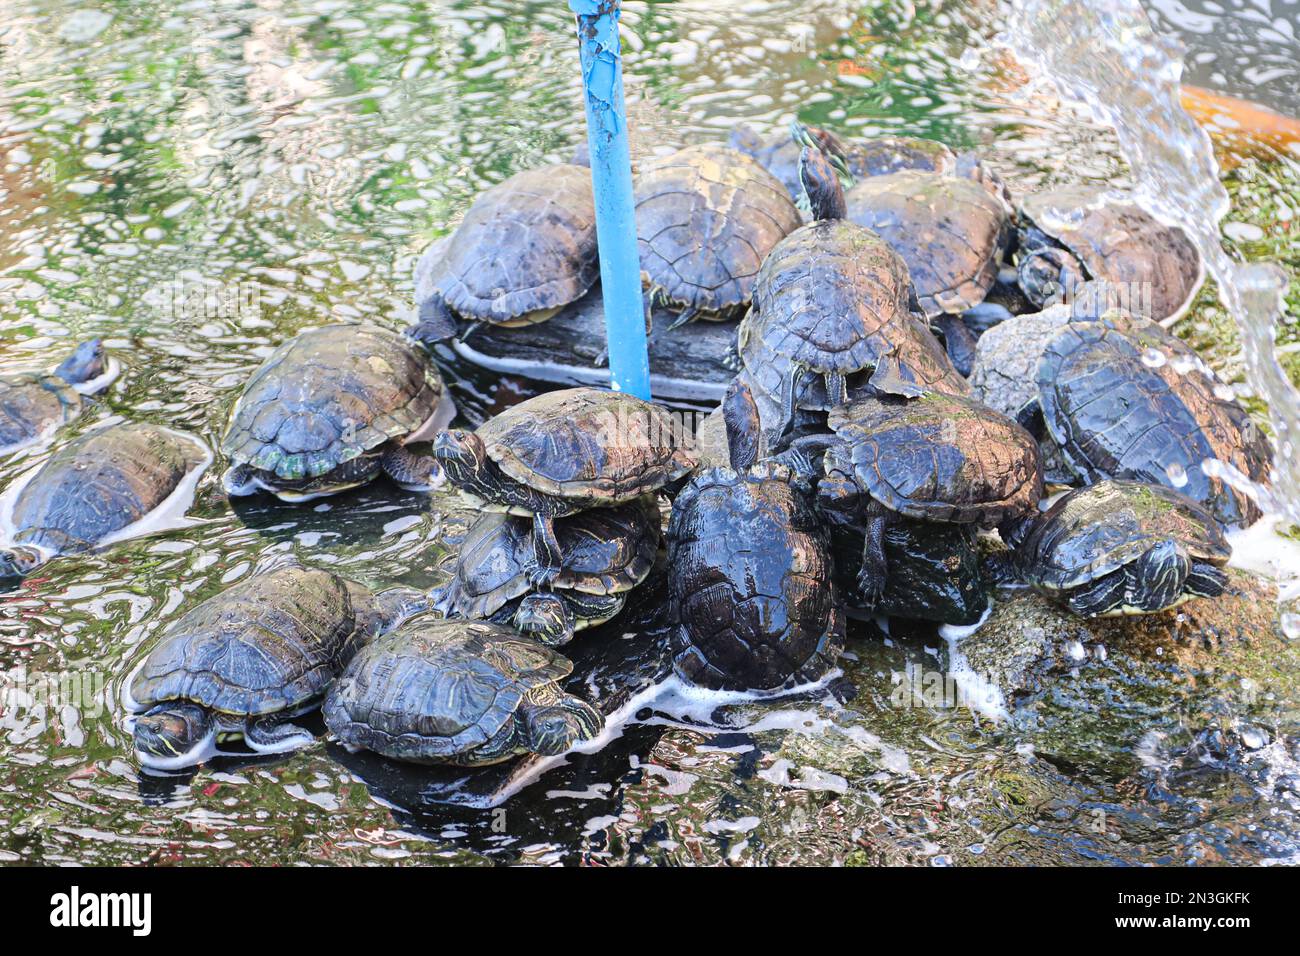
column 411, row 471
column 871, row 576
column 435, row 323
column 269, row 735
column 1206, row 580
column 1101, row 597
column 547, row 556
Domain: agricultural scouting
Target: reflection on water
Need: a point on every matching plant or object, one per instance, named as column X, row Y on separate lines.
column 194, row 182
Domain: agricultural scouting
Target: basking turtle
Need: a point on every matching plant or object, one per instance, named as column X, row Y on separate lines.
column 1004, row 370
column 934, row 458
column 94, row 489
column 246, row 661
column 951, row 233
column 749, row 571
column 525, row 249
column 1130, row 400
column 831, row 313
column 459, row 692
column 1122, row 547
column 564, row 452
column 332, row 408
column 33, row 404
column 604, row 553
column 707, row 216
column 859, row 158
column 1074, row 233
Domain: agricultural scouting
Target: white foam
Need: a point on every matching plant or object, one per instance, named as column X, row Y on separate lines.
column 1263, row 551
column 977, row 692
column 112, row 368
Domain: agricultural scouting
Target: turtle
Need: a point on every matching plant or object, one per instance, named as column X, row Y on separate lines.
column 935, row 458
column 1130, row 400
column 95, row 489
column 330, row 410
column 832, row 312
column 604, row 553
column 750, row 583
column 1074, row 233
column 467, row 693
column 563, row 452
column 525, row 249
column 706, row 217
column 857, row 158
column 1122, row 547
column 247, row 660
column 1005, row 364
column 33, row 404
column 950, row 231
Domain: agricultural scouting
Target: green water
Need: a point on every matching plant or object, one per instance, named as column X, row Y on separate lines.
column 194, row 182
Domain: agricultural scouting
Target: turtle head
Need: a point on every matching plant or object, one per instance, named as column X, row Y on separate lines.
column 543, row 616
column 828, row 143
column 744, row 430
column 17, row 562
column 173, row 735
column 463, row 457
column 821, row 184
column 85, row 363
column 1160, row 574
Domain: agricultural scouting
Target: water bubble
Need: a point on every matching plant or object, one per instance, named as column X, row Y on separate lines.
column 1177, row 474
column 1153, row 358
column 1290, row 623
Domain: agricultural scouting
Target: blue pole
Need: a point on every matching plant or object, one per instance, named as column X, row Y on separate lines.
column 611, row 183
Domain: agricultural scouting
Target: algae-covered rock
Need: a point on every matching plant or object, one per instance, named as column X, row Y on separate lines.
column 1208, row 686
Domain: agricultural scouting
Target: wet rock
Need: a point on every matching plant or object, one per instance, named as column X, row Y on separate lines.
column 1209, row 685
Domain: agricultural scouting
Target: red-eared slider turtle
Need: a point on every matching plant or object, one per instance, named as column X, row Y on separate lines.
column 94, row 489
column 1005, row 367
column 949, row 231
column 1123, row 547
column 832, row 305
column 1135, row 402
column 459, row 692
column 604, row 553
column 1074, row 233
column 33, row 404
column 525, row 249
column 706, row 217
column 749, row 571
column 561, row 453
column 935, row 458
column 859, row 158
column 332, row 408
column 249, row 659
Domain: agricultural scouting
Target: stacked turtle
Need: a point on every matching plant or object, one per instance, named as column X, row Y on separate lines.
column 568, row 481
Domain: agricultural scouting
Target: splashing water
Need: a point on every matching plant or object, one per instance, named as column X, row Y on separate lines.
column 1105, row 56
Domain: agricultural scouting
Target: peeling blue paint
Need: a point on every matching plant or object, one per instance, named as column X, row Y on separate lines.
column 611, row 183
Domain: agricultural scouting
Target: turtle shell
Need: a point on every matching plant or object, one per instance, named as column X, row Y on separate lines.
column 586, row 444
column 1090, row 532
column 1120, row 243
column 707, row 216
column 526, row 245
column 951, row 233
column 1135, row 402
column 270, row 643
column 751, row 618
column 437, row 689
column 936, row 457
column 834, row 297
column 603, row 551
column 31, row 403
column 329, row 395
column 103, row 481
